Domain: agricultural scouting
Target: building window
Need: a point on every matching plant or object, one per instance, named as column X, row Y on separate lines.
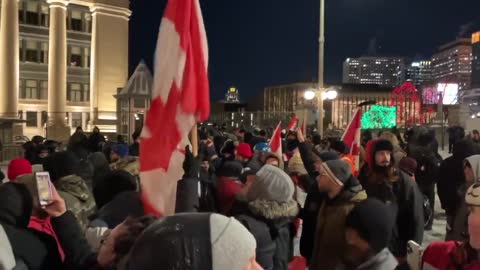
column 21, row 85
column 44, row 118
column 44, row 52
column 86, row 92
column 74, row 93
column 76, row 23
column 30, row 90
column 44, row 15
column 21, row 17
column 75, row 57
column 31, row 52
column 31, row 119
column 44, row 90
column 32, row 13
column 76, row 119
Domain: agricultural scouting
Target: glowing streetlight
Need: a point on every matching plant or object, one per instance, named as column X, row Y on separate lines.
column 329, row 94
column 309, row 94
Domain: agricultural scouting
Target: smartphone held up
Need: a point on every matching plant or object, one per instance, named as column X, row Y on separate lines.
column 44, row 188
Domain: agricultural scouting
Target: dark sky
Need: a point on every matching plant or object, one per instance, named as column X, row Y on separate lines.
column 256, row 43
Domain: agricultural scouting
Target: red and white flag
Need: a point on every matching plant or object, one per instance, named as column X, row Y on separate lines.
column 276, row 141
column 293, row 122
column 351, row 137
column 180, row 98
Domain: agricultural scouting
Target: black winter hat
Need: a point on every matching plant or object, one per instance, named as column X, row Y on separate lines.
column 374, row 223
column 230, row 168
column 339, row 146
column 382, row 145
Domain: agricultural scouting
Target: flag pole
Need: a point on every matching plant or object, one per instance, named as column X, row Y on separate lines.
column 194, row 140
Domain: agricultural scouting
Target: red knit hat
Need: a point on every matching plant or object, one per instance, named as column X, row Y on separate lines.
column 244, row 150
column 17, row 167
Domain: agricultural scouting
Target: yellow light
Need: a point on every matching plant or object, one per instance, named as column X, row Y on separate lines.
column 476, row 37
column 233, row 89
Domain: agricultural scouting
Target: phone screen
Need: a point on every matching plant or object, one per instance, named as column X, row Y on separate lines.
column 43, row 187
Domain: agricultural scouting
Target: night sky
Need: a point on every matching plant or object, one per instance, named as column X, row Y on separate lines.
column 256, row 43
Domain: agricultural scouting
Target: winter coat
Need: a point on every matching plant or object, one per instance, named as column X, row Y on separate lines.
column 309, row 215
column 35, row 249
column 45, row 226
column 227, row 190
column 405, row 200
column 459, row 230
column 330, row 231
column 7, row 259
column 384, row 260
column 78, row 198
column 450, row 255
column 271, row 223
column 129, row 164
column 187, row 195
column 134, row 149
column 125, row 204
column 78, row 141
column 451, row 176
column 94, row 142
column 428, row 165
column 78, row 254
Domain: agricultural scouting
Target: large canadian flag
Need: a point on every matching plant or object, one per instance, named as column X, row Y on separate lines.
column 351, row 137
column 276, row 141
column 293, row 122
column 180, row 98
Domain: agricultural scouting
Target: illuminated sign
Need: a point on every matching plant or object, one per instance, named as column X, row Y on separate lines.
column 446, row 92
column 233, row 89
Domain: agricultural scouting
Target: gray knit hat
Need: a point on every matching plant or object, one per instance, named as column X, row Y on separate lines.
column 232, row 244
column 271, row 184
column 338, row 171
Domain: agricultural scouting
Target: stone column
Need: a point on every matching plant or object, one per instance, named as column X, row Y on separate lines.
column 9, row 59
column 57, row 71
column 109, row 60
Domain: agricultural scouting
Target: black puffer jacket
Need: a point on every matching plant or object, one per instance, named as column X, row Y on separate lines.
column 451, row 176
column 271, row 224
column 37, row 250
column 123, row 205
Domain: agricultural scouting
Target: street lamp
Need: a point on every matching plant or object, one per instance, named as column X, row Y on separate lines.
column 330, row 95
column 321, row 60
column 309, row 94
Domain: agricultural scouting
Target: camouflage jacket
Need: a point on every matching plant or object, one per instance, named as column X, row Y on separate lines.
column 78, row 198
column 129, row 164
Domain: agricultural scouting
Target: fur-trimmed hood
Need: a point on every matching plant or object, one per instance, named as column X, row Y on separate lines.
column 274, row 210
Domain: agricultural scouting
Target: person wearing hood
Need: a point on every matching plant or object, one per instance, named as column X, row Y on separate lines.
column 453, row 255
column 383, row 181
column 78, row 141
column 243, row 153
column 95, row 140
column 121, row 160
column 368, row 230
column 115, row 244
column 62, row 167
column 194, row 241
column 228, row 185
column 100, row 167
column 18, row 167
column 268, row 212
column 471, row 168
column 31, row 248
column 342, row 192
column 451, row 178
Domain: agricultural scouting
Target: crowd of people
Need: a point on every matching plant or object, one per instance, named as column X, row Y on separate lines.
column 240, row 206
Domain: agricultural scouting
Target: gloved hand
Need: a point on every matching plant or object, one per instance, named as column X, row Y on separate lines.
column 192, row 164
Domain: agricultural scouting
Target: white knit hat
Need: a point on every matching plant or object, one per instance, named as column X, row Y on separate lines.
column 472, row 197
column 232, row 244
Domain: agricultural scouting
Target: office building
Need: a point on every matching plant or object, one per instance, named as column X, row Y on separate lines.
column 453, row 63
column 383, row 71
column 232, row 95
column 476, row 60
column 419, row 73
column 62, row 62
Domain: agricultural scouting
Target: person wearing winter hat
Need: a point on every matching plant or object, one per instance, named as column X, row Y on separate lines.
column 228, row 184
column 269, row 212
column 18, row 167
column 368, row 230
column 194, row 241
column 382, row 180
column 342, row 150
column 122, row 161
column 342, row 192
column 452, row 255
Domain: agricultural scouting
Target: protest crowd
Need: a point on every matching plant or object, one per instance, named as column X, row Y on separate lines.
column 241, row 204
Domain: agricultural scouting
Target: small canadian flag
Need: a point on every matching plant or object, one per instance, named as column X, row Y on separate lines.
column 276, row 141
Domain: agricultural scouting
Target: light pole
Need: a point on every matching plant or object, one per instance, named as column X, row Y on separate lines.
column 308, row 95
column 321, row 64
